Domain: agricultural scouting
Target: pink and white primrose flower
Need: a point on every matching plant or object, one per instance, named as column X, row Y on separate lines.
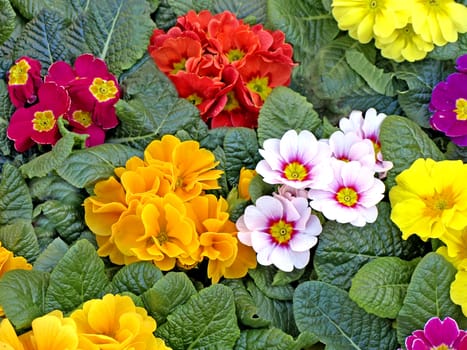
column 350, row 146
column 296, row 160
column 368, row 128
column 281, row 231
column 352, row 195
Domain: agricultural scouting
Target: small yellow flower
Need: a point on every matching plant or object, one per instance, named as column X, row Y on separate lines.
column 246, row 175
column 430, row 198
column 458, row 288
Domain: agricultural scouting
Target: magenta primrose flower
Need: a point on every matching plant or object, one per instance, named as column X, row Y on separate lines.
column 24, row 79
column 438, row 335
column 281, row 231
column 449, row 104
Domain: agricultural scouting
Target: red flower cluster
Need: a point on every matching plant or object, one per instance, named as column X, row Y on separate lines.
column 223, row 66
column 85, row 96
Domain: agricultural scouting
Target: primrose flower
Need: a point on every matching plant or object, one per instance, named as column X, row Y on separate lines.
column 8, row 338
column 246, row 175
column 366, row 19
column 350, row 147
column 114, row 322
column 439, row 21
column 352, row 195
column 295, row 160
column 449, row 104
column 368, row 128
column 430, row 198
column 437, row 334
column 458, row 295
column 38, row 123
column 24, row 79
column 280, row 230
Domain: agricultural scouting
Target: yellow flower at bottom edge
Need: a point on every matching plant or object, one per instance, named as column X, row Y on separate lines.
column 430, row 198
column 458, row 288
column 8, row 338
column 115, row 322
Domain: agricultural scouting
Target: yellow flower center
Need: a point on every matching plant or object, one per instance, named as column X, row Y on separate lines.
column 43, row 121
column 439, row 202
column 295, row 171
column 461, row 109
column 82, row 117
column 440, row 347
column 162, row 237
column 235, row 55
column 373, row 4
column 232, row 102
column 281, row 231
column 19, row 73
column 195, row 99
column 178, row 66
column 260, row 86
column 103, row 90
column 347, row 196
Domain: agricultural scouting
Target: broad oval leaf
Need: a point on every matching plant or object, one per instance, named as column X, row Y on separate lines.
column 266, row 338
column 19, row 237
column 51, row 255
column 136, row 278
column 7, row 20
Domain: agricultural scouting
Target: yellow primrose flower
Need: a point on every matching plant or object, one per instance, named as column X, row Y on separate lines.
column 430, row 198
column 365, row 19
column 404, row 44
column 458, row 288
column 114, row 322
column 8, row 338
column 191, row 169
column 455, row 250
column 439, row 21
column 246, row 175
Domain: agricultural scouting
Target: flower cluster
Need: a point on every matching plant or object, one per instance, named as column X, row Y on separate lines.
column 157, row 210
column 83, row 95
column 449, row 104
column 113, row 322
column 337, row 174
column 403, row 30
column 224, row 66
column 430, row 200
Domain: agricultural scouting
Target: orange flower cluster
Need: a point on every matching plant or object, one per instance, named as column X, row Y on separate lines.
column 156, row 210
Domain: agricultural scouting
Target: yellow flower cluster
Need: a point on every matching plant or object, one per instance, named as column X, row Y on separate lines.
column 403, row 30
column 156, row 209
column 111, row 323
column 430, row 200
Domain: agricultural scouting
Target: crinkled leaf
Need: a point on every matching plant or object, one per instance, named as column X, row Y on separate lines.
column 245, row 306
column 85, row 167
column 7, row 20
column 181, row 7
column 282, row 278
column 263, row 276
column 249, row 11
column 22, row 296
column 428, row 296
column 51, row 255
column 259, row 188
column 19, row 237
column 6, row 109
column 285, row 109
column 241, row 146
column 167, row 293
column 15, row 200
column 343, row 249
column 151, row 108
column 278, row 312
column 136, row 278
column 266, row 338
column 78, row 276
column 410, row 144
column 206, row 321
column 337, row 321
column 379, row 287
column 54, row 187
column 31, row 8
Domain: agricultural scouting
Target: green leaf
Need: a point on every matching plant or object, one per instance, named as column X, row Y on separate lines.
column 206, row 321
column 6, row 110
column 410, row 144
column 245, row 306
column 242, row 148
column 282, row 278
column 167, row 293
column 19, row 237
column 268, row 338
column 375, row 77
column 47, row 162
column 15, row 200
column 328, row 312
column 428, row 296
column 85, row 167
column 22, row 295
column 181, row 7
column 343, row 249
column 259, row 188
column 31, row 8
column 285, row 109
column 136, row 278
column 249, row 11
column 263, row 277
column 7, row 20
column 78, row 276
column 51, row 255
column 380, row 286
column 151, row 108
column 54, row 187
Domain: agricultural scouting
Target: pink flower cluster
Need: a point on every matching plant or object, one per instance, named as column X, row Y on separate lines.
column 337, row 176
column 224, row 66
column 84, row 95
